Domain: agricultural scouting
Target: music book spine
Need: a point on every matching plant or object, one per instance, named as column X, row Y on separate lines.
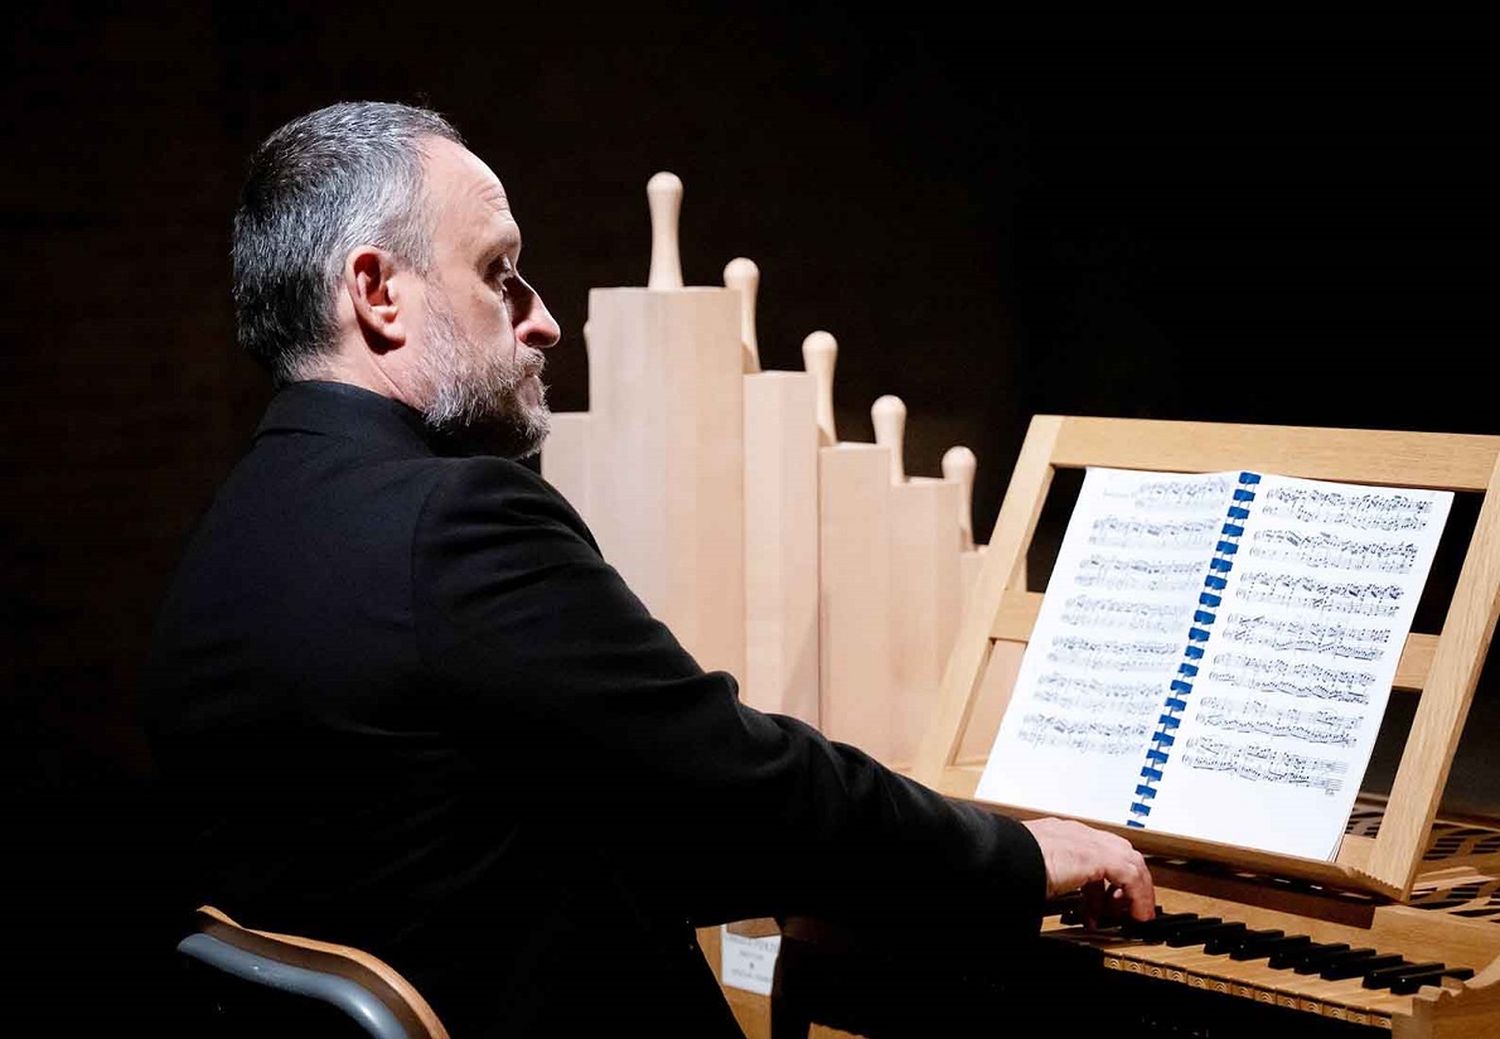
column 1159, row 752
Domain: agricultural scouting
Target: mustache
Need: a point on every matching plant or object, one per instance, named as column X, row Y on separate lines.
column 530, row 360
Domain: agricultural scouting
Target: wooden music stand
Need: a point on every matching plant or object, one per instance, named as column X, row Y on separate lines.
column 1443, row 668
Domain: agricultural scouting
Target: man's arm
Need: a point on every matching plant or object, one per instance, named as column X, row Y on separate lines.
column 586, row 705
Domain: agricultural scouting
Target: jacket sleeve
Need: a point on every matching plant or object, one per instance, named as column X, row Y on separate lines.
column 585, row 708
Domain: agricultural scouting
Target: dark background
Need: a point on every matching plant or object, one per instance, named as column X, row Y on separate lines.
column 1241, row 221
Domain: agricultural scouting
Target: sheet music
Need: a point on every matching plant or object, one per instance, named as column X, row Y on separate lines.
column 1288, row 695
column 1295, row 679
column 1107, row 642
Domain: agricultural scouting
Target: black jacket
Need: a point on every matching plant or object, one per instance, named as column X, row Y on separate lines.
column 408, row 707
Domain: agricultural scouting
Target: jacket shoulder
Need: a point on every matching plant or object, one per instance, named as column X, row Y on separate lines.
column 500, row 492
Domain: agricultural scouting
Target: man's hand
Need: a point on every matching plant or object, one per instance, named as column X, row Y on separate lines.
column 1112, row 874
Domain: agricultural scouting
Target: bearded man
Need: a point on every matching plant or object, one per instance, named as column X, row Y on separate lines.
column 408, row 707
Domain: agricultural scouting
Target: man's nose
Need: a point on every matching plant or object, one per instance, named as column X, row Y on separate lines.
column 538, row 329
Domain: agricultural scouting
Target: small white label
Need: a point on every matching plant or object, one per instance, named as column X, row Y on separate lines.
column 749, row 962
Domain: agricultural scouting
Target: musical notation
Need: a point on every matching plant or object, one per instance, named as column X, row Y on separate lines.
column 1357, row 510
column 1190, row 493
column 1259, row 763
column 1233, row 714
column 1088, row 611
column 1214, row 654
column 1084, row 735
column 1127, row 574
column 1119, row 532
column 1302, row 679
column 1097, row 695
column 1112, row 655
column 1326, row 551
column 1304, row 592
column 1333, row 638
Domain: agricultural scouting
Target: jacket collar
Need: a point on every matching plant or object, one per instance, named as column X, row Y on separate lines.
column 340, row 409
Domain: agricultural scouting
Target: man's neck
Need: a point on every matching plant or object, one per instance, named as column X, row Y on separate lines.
column 339, row 367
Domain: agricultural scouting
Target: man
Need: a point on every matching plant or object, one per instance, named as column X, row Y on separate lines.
column 412, row 710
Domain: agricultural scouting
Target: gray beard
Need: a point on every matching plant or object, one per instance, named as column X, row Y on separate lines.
column 473, row 394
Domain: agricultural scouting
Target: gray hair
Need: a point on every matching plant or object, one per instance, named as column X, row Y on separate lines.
column 322, row 185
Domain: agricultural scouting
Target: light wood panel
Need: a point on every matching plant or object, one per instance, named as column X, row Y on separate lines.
column 565, row 459
column 666, row 458
column 781, row 544
column 925, row 600
column 857, row 697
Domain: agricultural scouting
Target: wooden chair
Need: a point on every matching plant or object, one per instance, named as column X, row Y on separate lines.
column 305, row 978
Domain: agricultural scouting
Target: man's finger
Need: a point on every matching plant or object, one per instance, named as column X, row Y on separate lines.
column 1132, row 875
column 1094, row 904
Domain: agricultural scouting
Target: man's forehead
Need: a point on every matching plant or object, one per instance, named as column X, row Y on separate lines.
column 465, row 188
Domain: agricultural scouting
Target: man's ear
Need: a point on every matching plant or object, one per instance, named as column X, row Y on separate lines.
column 377, row 295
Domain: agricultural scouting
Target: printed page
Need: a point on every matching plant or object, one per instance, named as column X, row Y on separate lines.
column 1297, row 664
column 1107, row 643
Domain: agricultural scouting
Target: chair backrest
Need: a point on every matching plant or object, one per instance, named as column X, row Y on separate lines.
column 364, row 987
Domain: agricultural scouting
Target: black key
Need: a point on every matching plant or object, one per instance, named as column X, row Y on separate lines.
column 1294, row 957
column 1150, row 930
column 1167, row 932
column 1409, row 983
column 1064, row 906
column 1258, row 947
column 1224, row 932
column 1353, row 968
column 1387, row 976
column 1286, row 948
column 1073, row 915
column 1251, row 945
column 1070, row 908
column 1224, row 943
column 1195, row 933
column 1316, row 960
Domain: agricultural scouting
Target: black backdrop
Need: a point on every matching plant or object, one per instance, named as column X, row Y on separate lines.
column 1243, row 220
